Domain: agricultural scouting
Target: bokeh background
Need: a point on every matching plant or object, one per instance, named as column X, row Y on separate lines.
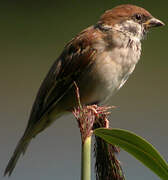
column 32, row 35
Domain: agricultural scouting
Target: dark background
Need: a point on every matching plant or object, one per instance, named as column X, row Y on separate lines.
column 32, row 35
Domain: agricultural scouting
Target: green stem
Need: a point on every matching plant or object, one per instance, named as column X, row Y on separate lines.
column 86, row 159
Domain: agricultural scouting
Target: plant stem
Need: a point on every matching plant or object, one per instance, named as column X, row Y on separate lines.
column 86, row 159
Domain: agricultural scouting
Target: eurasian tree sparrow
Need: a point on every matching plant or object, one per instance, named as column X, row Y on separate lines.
column 99, row 59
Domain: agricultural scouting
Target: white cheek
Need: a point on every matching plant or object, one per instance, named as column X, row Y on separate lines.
column 126, row 26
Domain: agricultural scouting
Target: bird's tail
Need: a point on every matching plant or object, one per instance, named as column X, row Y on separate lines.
column 30, row 132
column 20, row 149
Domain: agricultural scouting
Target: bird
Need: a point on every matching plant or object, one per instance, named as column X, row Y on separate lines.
column 99, row 60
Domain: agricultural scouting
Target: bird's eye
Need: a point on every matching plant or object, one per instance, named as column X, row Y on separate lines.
column 138, row 17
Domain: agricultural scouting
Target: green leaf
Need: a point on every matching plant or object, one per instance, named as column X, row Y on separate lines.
column 138, row 147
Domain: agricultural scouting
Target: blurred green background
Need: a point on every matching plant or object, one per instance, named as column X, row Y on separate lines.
column 32, row 35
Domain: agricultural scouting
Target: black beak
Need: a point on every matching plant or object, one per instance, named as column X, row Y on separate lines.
column 153, row 22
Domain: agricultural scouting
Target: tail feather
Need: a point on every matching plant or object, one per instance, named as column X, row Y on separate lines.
column 20, row 149
column 31, row 131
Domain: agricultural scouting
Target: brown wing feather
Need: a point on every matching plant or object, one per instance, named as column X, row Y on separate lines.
column 77, row 55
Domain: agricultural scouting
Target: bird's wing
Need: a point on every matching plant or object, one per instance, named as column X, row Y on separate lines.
column 77, row 55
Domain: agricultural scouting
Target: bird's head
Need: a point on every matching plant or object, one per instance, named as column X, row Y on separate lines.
column 129, row 19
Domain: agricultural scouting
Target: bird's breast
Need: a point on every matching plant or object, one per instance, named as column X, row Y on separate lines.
column 110, row 71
